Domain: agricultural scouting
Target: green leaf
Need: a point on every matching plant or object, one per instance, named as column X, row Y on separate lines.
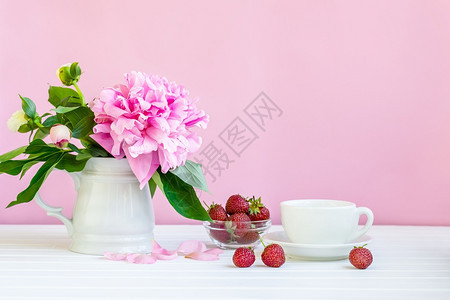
column 182, row 197
column 154, row 182
column 78, row 114
column 192, row 174
column 24, row 128
column 64, row 109
column 28, row 107
column 36, row 182
column 60, row 96
column 84, row 155
column 41, row 133
column 50, row 121
column 27, row 166
column 39, row 146
column 152, row 186
column 157, row 179
column 94, row 148
column 12, row 167
column 11, row 154
column 74, row 148
column 83, row 127
column 70, row 163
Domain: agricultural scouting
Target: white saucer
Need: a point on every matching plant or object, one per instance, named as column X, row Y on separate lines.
column 311, row 251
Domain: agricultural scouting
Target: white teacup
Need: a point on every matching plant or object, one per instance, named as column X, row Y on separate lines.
column 317, row 221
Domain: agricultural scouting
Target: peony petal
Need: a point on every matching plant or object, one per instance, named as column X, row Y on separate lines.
column 143, row 166
column 144, row 259
column 145, row 145
column 115, row 256
column 202, row 256
column 214, row 251
column 156, row 248
column 114, row 111
column 165, row 256
column 188, row 247
column 161, row 253
column 131, row 257
column 122, row 124
column 105, row 140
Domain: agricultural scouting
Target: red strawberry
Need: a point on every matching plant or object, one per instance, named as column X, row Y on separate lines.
column 221, row 235
column 273, row 256
column 360, row 257
column 224, row 232
column 257, row 211
column 217, row 212
column 240, row 223
column 243, row 257
column 236, row 204
column 248, row 238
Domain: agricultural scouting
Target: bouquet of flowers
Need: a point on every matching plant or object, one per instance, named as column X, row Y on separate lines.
column 149, row 120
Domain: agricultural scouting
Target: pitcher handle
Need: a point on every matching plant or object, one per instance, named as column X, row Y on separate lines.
column 56, row 212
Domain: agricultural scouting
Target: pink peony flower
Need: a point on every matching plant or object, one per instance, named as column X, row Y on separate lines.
column 150, row 120
column 60, row 135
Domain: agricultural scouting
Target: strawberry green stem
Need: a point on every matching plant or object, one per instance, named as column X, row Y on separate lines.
column 262, row 242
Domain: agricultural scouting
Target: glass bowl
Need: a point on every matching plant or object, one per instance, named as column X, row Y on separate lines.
column 233, row 235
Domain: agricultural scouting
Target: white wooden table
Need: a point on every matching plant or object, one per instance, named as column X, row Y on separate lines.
column 409, row 263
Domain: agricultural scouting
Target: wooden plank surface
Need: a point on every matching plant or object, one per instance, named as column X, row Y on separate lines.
column 410, row 262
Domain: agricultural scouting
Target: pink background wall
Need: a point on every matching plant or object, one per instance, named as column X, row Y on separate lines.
column 364, row 89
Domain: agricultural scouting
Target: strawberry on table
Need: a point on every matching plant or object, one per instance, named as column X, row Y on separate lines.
column 236, row 204
column 360, row 257
column 273, row 256
column 257, row 211
column 243, row 257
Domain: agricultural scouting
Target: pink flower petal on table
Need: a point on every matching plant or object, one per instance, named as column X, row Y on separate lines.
column 161, row 256
column 188, row 247
column 157, row 249
column 191, row 249
column 198, row 251
column 132, row 256
column 115, row 256
column 144, row 259
column 202, row 256
column 161, row 253
column 214, row 251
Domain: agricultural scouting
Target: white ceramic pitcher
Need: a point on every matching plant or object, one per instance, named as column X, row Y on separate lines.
column 111, row 213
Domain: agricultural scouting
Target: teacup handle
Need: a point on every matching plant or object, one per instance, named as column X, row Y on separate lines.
column 56, row 212
column 360, row 232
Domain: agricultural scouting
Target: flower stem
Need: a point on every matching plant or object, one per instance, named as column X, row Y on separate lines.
column 38, row 124
column 79, row 93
